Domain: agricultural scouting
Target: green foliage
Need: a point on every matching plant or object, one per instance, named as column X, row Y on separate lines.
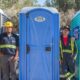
column 77, row 4
column 69, row 4
column 51, row 3
column 12, row 7
column 7, row 3
column 47, row 3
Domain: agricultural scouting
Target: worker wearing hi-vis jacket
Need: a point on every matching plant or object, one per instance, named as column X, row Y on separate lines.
column 8, row 53
column 68, row 54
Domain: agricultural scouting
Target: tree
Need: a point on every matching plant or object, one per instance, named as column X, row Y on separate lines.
column 77, row 4
column 47, row 3
column 54, row 3
column 34, row 2
column 66, row 4
column 20, row 1
column 7, row 3
column 51, row 3
column 12, row 7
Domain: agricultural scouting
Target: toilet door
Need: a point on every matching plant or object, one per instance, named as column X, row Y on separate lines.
column 39, row 45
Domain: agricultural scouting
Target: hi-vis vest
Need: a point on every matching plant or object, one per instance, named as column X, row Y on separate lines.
column 8, row 44
column 63, row 50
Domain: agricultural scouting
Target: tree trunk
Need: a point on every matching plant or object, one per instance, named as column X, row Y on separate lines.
column 21, row 1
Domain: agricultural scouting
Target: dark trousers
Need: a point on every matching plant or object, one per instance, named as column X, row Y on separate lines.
column 68, row 64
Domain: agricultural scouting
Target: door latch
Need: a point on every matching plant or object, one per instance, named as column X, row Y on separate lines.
column 27, row 48
column 48, row 48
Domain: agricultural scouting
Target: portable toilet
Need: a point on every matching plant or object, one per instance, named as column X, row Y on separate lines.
column 75, row 32
column 39, row 44
column 3, row 19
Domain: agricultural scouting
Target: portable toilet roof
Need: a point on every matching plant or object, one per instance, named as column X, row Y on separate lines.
column 75, row 20
column 1, row 11
column 27, row 9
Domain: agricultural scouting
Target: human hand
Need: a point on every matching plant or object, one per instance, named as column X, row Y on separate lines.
column 15, row 58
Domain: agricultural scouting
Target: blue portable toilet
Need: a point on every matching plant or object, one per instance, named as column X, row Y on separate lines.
column 39, row 44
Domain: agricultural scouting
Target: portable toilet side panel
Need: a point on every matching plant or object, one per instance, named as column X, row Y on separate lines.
column 75, row 32
column 39, row 44
column 3, row 19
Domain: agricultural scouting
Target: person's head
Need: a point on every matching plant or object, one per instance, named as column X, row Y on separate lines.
column 9, row 26
column 65, row 31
